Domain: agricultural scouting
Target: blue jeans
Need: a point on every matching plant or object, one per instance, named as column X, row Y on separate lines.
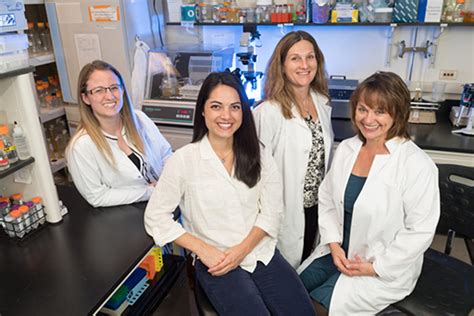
column 274, row 289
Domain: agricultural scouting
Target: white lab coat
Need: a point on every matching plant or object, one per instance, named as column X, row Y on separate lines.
column 290, row 141
column 393, row 223
column 103, row 185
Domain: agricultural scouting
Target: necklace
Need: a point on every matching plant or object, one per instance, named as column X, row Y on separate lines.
column 305, row 107
column 223, row 158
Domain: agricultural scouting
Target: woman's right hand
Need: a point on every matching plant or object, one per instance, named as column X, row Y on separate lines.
column 210, row 255
column 339, row 258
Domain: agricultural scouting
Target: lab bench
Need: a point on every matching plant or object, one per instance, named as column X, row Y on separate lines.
column 435, row 139
column 73, row 267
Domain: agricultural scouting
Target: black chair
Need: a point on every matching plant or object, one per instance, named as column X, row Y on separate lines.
column 204, row 306
column 446, row 284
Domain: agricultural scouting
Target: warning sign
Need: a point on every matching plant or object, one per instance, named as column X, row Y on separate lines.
column 104, row 13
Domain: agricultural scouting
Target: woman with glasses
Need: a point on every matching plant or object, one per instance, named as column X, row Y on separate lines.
column 117, row 153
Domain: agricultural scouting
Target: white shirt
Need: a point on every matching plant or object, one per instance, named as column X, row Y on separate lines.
column 104, row 185
column 216, row 207
column 393, row 223
column 290, row 141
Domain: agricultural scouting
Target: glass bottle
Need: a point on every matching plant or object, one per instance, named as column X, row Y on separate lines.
column 448, row 11
column 459, row 12
column 43, row 36
column 18, row 225
column 39, row 209
column 17, row 199
column 4, row 163
column 9, row 145
column 26, row 218
column 32, row 42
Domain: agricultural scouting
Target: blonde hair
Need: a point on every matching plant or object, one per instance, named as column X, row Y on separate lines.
column 89, row 123
column 276, row 84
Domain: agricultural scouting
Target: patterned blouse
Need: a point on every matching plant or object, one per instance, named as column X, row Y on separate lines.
column 315, row 169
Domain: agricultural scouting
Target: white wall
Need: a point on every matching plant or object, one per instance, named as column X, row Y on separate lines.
column 358, row 51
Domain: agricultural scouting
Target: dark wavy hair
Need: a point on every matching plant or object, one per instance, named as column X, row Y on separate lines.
column 246, row 145
column 387, row 91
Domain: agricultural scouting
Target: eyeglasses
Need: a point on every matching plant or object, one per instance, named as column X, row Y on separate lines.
column 100, row 91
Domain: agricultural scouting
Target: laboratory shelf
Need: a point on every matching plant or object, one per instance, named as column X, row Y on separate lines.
column 48, row 114
column 17, row 72
column 16, row 166
column 34, row 2
column 41, row 59
column 392, row 24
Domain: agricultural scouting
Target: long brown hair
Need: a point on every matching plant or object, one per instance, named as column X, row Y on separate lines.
column 90, row 124
column 388, row 92
column 276, row 83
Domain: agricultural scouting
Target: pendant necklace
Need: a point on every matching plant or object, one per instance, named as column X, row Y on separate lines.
column 305, row 108
column 222, row 159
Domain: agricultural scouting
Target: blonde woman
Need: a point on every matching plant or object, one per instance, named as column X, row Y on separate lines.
column 295, row 122
column 117, row 153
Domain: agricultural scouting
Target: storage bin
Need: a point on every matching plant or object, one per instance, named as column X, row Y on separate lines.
column 383, row 15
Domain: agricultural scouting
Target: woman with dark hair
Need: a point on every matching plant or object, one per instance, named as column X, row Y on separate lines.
column 117, row 153
column 378, row 207
column 295, row 123
column 229, row 192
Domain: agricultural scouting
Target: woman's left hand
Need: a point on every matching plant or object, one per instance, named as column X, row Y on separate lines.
column 360, row 268
column 233, row 257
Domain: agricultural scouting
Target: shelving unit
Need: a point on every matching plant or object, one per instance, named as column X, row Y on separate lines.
column 48, row 114
column 42, row 59
column 392, row 24
column 45, row 64
column 18, row 102
column 16, row 166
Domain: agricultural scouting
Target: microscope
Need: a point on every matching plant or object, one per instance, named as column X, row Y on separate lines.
column 250, row 77
column 467, row 98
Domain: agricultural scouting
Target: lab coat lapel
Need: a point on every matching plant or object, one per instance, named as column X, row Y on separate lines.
column 208, row 154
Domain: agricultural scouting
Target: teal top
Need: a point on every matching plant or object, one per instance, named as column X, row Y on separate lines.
column 353, row 189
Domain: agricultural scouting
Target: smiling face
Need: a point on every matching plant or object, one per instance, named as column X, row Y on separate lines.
column 300, row 64
column 105, row 104
column 373, row 122
column 222, row 113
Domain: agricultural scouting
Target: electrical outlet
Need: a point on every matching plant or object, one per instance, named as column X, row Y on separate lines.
column 448, row 74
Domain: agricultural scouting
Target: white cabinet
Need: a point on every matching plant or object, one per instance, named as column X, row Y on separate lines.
column 18, row 102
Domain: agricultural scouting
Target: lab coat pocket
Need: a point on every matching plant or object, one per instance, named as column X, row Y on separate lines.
column 209, row 207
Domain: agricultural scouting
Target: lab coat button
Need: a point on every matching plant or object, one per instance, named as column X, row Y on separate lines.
column 301, row 238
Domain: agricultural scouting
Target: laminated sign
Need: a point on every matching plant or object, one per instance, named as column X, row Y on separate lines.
column 7, row 20
column 104, row 13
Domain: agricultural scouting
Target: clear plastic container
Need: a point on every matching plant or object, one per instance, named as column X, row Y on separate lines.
column 383, row 15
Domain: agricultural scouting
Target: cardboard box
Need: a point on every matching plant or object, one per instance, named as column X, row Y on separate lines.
column 405, row 11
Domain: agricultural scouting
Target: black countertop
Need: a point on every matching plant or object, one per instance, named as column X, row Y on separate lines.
column 71, row 267
column 427, row 136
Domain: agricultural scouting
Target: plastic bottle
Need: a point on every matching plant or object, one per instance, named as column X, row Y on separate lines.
column 21, row 141
column 10, row 148
column 4, row 163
